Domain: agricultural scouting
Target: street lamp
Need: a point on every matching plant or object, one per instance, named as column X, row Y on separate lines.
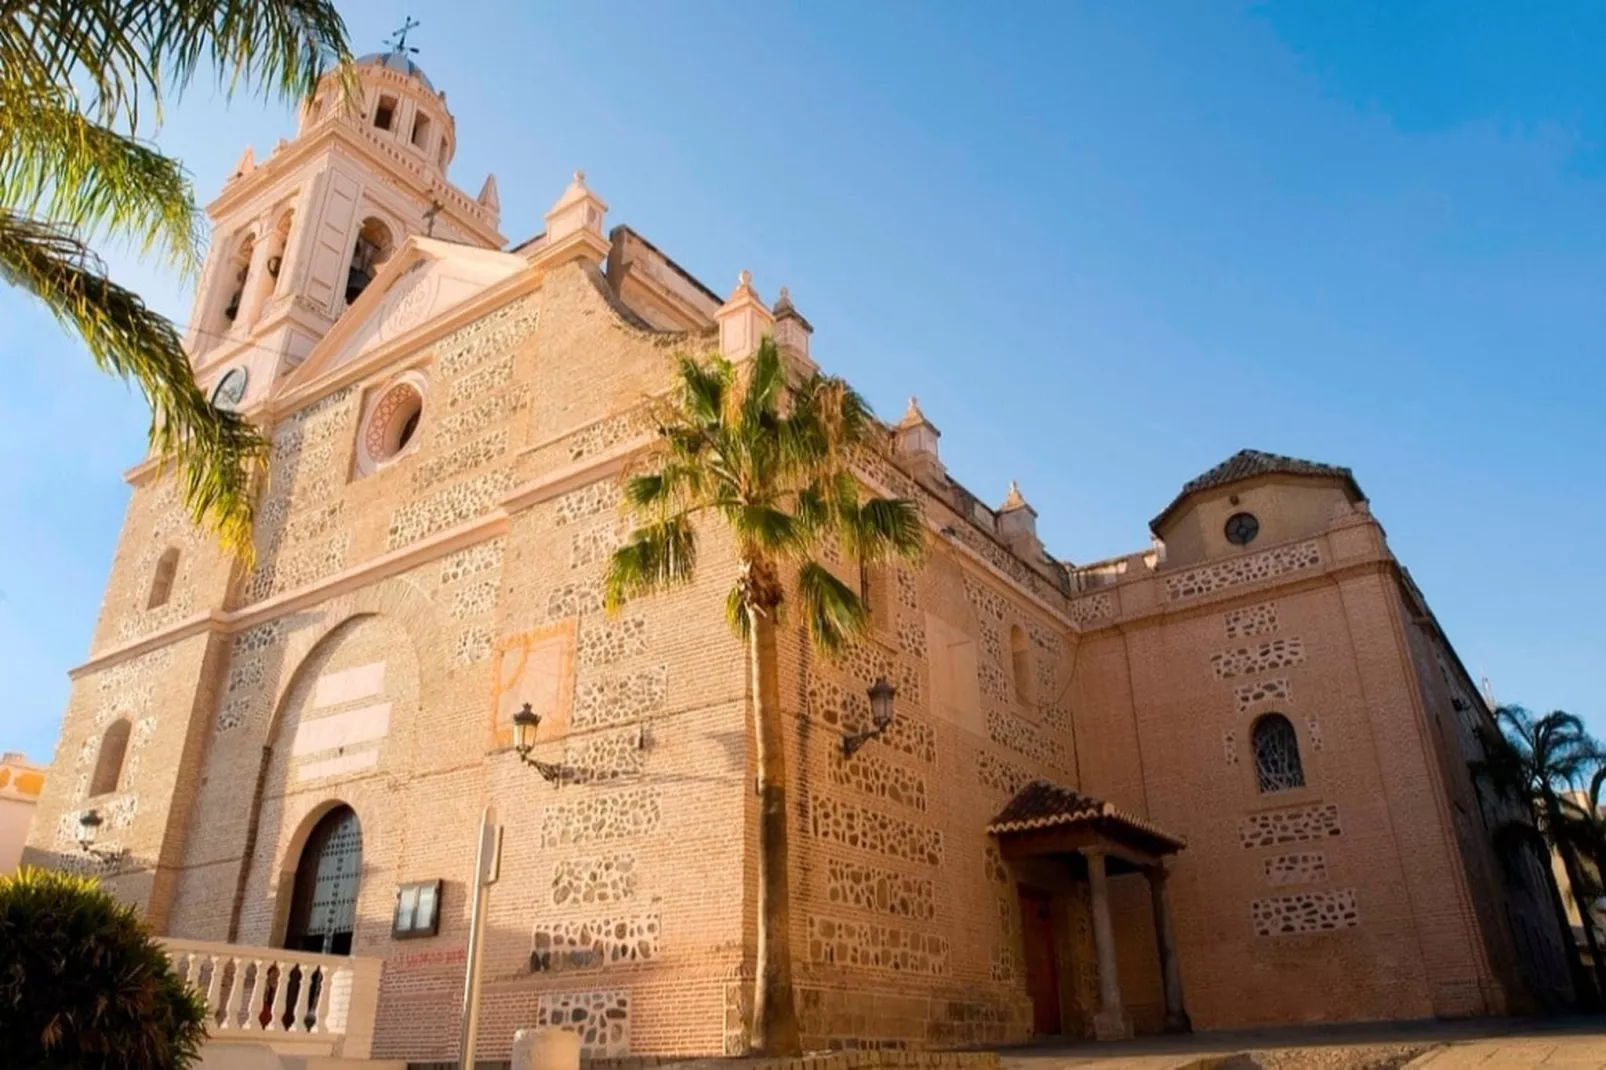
column 881, row 695
column 525, row 722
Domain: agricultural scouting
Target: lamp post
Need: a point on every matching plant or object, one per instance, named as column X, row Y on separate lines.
column 525, row 722
column 881, row 695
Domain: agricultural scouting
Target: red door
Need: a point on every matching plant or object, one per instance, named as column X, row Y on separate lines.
column 1042, row 971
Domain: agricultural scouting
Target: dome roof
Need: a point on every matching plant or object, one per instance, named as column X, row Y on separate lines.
column 397, row 62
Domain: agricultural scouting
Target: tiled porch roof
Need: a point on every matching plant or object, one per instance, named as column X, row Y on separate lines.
column 1041, row 805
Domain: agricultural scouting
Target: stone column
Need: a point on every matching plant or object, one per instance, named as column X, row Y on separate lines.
column 257, row 281
column 1165, row 937
column 1110, row 1022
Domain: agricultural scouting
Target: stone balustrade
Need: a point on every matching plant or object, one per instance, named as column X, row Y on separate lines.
column 292, row 1001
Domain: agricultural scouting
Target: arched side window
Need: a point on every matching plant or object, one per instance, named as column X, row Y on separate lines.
column 1020, row 659
column 162, row 582
column 1277, row 765
column 371, row 250
column 109, row 763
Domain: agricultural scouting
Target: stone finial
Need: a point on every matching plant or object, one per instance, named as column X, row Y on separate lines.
column 1015, row 499
column 915, row 439
column 913, row 417
column 1017, row 525
column 792, row 331
column 489, row 197
column 743, row 320
column 247, row 164
column 577, row 209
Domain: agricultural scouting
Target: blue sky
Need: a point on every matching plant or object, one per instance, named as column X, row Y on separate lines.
column 1107, row 244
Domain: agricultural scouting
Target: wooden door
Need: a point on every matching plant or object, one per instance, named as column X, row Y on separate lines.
column 1042, row 969
column 323, row 911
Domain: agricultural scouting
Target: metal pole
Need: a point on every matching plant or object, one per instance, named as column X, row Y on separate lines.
column 487, row 867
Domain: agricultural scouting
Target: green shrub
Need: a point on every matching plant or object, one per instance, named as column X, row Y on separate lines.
column 83, row 984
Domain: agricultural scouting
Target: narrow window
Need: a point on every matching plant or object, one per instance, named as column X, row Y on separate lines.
column 385, row 113
column 421, row 130
column 1277, row 765
column 109, row 763
column 1020, row 657
column 446, row 152
column 162, row 582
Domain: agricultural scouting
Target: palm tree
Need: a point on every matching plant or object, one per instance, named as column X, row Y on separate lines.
column 76, row 79
column 774, row 463
column 1585, row 825
column 1548, row 757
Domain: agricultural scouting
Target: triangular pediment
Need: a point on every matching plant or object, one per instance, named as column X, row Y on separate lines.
column 417, row 287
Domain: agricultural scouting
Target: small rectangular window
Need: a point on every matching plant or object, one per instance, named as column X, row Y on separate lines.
column 417, row 910
column 385, row 114
column 421, row 131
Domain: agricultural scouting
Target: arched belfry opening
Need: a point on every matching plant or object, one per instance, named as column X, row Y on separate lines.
column 323, row 905
column 236, row 275
column 373, row 248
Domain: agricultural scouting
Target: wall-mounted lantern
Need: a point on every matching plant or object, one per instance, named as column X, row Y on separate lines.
column 89, row 831
column 881, row 695
column 525, row 722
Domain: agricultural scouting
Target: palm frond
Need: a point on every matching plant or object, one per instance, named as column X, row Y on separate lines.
column 769, row 531
column 126, row 54
column 702, row 388
column 736, row 613
column 57, row 164
column 832, row 611
column 764, row 386
column 218, row 454
column 660, row 555
column 879, row 528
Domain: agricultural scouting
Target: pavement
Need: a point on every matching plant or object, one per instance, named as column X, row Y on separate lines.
column 1563, row 1043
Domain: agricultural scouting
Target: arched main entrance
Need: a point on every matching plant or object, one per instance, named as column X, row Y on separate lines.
column 323, row 907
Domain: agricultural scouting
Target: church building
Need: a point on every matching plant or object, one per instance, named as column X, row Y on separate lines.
column 1226, row 780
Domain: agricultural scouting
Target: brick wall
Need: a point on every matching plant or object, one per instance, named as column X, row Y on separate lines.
column 396, row 617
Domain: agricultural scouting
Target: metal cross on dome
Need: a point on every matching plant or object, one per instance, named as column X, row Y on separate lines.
column 398, row 39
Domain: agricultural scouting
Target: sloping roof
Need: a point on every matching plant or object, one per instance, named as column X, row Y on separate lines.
column 1246, row 464
column 1042, row 805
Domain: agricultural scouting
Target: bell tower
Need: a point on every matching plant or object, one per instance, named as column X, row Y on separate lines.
column 298, row 235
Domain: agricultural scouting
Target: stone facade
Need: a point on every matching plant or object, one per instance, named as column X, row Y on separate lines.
column 442, row 498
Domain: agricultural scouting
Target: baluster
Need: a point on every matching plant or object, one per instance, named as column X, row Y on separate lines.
column 259, row 991
column 298, row 1017
column 213, row 987
column 231, row 1008
column 281, row 989
column 320, row 1017
column 181, row 962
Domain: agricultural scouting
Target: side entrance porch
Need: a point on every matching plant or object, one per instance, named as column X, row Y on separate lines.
column 1063, row 849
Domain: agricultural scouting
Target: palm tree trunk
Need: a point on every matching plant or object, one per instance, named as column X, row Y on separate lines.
column 775, row 1029
column 1569, row 861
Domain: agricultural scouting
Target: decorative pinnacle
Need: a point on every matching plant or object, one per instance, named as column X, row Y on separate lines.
column 912, row 416
column 1015, row 499
column 580, row 177
column 745, row 278
column 786, row 295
